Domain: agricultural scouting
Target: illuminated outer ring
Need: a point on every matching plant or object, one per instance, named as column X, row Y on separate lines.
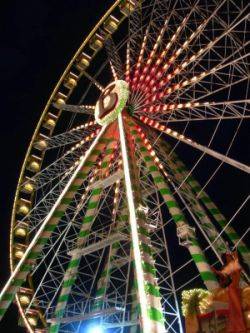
column 113, row 11
column 122, row 90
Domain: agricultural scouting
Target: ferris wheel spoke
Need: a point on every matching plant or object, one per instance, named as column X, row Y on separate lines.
column 218, row 70
column 156, row 12
column 94, row 81
column 195, row 111
column 138, row 71
column 135, row 28
column 73, row 135
column 127, row 67
column 138, row 78
column 25, row 264
column 185, row 178
column 64, row 164
column 199, row 78
column 194, row 144
column 151, row 81
column 152, row 84
column 183, row 229
column 140, row 58
column 114, row 59
column 42, row 207
column 193, row 59
column 227, row 26
column 82, row 109
column 153, row 37
column 176, row 54
column 147, row 80
column 212, row 208
column 223, row 88
column 202, row 52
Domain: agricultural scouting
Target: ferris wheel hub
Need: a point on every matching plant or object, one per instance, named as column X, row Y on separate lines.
column 111, row 102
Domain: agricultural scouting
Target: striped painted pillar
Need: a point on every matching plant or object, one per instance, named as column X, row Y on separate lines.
column 213, row 209
column 123, row 226
column 155, row 310
column 72, row 269
column 218, row 243
column 55, row 215
column 135, row 310
column 151, row 311
column 151, row 287
column 102, row 285
column 193, row 247
column 229, row 230
column 135, row 307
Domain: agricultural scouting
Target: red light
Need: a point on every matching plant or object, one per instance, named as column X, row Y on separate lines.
column 157, row 109
column 159, row 74
column 153, row 69
column 154, row 98
column 161, row 94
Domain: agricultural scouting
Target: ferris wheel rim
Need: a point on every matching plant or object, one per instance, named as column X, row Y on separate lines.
column 46, row 108
column 36, row 131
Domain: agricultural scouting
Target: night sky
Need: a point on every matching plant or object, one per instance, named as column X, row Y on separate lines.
column 38, row 39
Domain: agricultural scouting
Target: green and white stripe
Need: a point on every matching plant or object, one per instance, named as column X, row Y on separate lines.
column 90, row 215
column 153, row 296
column 198, row 257
column 213, row 209
column 102, row 283
column 49, row 225
column 120, row 225
column 135, row 310
column 217, row 242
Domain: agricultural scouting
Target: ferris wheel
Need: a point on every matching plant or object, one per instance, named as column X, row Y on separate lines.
column 113, row 217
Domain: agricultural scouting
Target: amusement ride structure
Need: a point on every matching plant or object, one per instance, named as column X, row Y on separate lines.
column 111, row 229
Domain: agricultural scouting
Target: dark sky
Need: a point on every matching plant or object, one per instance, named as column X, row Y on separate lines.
column 38, row 39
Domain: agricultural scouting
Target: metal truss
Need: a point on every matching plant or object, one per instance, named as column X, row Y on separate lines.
column 118, row 226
